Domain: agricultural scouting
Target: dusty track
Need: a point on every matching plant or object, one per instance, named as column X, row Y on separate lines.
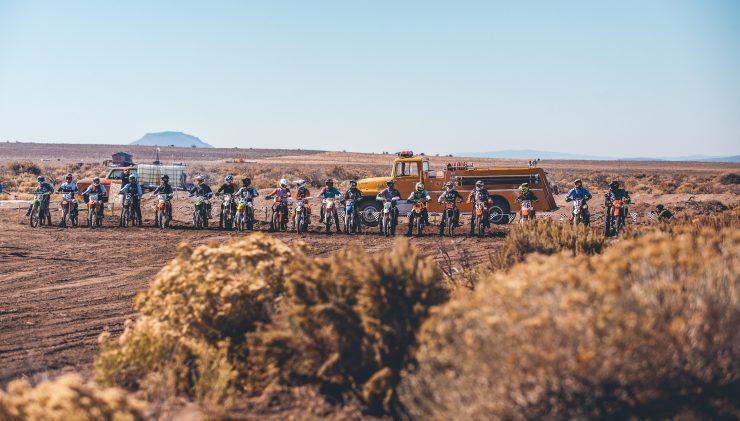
column 60, row 288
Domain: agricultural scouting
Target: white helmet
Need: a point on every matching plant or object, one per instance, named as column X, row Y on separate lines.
column 283, row 182
column 301, row 183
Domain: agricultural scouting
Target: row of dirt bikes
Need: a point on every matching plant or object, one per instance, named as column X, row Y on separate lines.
column 239, row 214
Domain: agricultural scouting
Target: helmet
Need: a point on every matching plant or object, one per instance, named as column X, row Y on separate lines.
column 329, row 182
column 283, row 182
column 301, row 183
column 132, row 178
column 69, row 176
column 96, row 180
column 229, row 178
column 165, row 177
column 660, row 207
column 577, row 181
column 200, row 179
column 449, row 184
column 247, row 181
column 479, row 184
column 524, row 187
column 352, row 183
column 390, row 182
column 420, row 187
column 41, row 179
column 614, row 184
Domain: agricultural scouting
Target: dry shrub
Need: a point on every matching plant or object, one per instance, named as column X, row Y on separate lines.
column 221, row 321
column 730, row 178
column 548, row 237
column 68, row 398
column 646, row 330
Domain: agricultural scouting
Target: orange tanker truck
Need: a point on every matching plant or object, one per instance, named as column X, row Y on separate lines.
column 501, row 182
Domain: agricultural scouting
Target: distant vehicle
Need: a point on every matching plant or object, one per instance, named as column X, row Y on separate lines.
column 148, row 175
column 501, row 182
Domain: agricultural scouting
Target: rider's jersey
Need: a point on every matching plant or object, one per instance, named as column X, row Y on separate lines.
column 327, row 193
column 281, row 192
column 352, row 194
column 618, row 194
column 527, row 196
column 302, row 193
column 95, row 189
column 202, row 190
column 389, row 193
column 70, row 188
column 248, row 192
column 134, row 188
column 416, row 196
column 577, row 193
column 481, row 195
column 665, row 215
column 227, row 188
column 163, row 188
column 449, row 196
column 45, row 188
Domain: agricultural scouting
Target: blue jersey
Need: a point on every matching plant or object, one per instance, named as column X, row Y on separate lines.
column 579, row 193
column 89, row 189
column 130, row 188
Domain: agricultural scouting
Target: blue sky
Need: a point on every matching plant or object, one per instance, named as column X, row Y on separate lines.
column 618, row 78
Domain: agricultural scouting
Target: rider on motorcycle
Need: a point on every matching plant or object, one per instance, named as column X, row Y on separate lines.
column 70, row 188
column 98, row 188
column 578, row 192
column 450, row 195
column 664, row 215
column 526, row 194
column 227, row 188
column 202, row 189
column 247, row 191
column 327, row 192
column 354, row 194
column 304, row 193
column 419, row 195
column 165, row 187
column 136, row 193
column 615, row 193
column 47, row 189
column 387, row 195
column 283, row 192
column 480, row 195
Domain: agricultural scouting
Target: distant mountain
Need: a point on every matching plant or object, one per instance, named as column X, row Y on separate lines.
column 178, row 139
column 533, row 154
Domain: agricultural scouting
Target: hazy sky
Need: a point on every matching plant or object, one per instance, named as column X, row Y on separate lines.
column 620, row 78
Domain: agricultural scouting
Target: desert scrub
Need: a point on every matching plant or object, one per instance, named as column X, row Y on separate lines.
column 226, row 321
column 547, row 237
column 648, row 329
column 68, row 398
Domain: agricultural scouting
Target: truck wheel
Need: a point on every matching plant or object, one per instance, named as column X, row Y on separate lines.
column 499, row 211
column 370, row 212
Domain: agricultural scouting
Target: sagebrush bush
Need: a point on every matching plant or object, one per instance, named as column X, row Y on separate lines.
column 548, row 237
column 68, row 398
column 220, row 321
column 648, row 329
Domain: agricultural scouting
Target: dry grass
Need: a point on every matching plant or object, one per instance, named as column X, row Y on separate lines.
column 68, row 398
column 648, row 329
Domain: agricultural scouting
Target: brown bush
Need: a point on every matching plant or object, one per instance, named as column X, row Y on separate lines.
column 646, row 330
column 220, row 321
column 547, row 237
column 68, row 398
column 730, row 178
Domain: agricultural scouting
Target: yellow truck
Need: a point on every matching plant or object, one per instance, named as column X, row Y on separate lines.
column 501, row 182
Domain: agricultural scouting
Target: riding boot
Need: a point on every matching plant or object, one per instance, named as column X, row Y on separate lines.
column 28, row 212
column 220, row 220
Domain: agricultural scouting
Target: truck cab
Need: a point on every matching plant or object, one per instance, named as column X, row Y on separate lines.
column 502, row 183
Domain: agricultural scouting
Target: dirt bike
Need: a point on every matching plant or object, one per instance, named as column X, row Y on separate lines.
column 126, row 211
column 69, row 209
column 39, row 206
column 448, row 219
column 244, row 214
column 227, row 211
column 94, row 210
column 279, row 220
column 479, row 218
column 329, row 208
column 527, row 211
column 351, row 218
column 419, row 218
column 615, row 217
column 200, row 212
column 163, row 210
column 580, row 209
column 300, row 215
column 389, row 216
